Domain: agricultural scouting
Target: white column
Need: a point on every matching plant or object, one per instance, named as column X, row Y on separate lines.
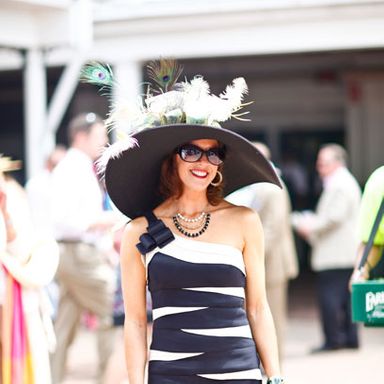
column 35, row 102
column 356, row 138
column 129, row 77
column 63, row 93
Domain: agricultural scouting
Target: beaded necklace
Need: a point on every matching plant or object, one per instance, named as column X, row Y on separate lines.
column 181, row 228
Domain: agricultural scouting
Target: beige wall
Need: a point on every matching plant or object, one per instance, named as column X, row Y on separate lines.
column 365, row 120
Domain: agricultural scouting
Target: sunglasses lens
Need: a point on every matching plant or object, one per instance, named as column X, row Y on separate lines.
column 214, row 157
column 190, row 153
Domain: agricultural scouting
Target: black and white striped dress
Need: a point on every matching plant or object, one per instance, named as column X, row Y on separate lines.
column 201, row 332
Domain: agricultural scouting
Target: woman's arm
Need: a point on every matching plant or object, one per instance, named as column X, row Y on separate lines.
column 258, row 312
column 134, row 293
column 35, row 269
column 372, row 260
column 10, row 230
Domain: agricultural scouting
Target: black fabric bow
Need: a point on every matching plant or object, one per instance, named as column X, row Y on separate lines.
column 157, row 235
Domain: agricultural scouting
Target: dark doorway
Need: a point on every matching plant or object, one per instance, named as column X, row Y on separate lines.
column 12, row 123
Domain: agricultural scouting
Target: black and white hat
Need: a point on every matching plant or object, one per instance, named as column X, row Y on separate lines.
column 171, row 115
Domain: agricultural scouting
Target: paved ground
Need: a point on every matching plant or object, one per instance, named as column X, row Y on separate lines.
column 340, row 367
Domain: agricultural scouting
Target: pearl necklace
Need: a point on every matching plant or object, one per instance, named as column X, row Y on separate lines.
column 192, row 219
column 180, row 228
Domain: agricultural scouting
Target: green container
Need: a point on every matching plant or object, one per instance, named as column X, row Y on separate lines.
column 368, row 302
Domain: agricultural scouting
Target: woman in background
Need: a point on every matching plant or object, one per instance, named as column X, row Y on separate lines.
column 28, row 263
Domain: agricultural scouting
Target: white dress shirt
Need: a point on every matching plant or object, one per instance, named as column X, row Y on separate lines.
column 76, row 198
column 245, row 196
column 39, row 194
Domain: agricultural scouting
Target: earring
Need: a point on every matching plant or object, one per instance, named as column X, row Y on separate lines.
column 219, row 181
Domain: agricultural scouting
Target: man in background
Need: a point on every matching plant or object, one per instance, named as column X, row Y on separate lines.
column 38, row 189
column 82, row 228
column 274, row 208
column 39, row 193
column 331, row 231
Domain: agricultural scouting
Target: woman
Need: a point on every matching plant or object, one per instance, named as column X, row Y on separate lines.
column 201, row 256
column 27, row 264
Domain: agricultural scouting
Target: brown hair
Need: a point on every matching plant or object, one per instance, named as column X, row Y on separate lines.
column 171, row 185
column 82, row 123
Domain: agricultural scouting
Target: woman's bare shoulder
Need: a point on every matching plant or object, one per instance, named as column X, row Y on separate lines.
column 244, row 218
column 232, row 224
column 135, row 228
column 238, row 212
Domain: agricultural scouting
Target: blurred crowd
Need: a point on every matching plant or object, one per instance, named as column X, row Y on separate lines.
column 60, row 238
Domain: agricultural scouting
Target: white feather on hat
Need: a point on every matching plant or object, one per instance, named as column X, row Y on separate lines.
column 170, row 103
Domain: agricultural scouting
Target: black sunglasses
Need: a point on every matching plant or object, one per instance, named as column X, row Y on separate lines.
column 192, row 153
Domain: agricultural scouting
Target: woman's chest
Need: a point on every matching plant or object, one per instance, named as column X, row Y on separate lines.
column 188, row 263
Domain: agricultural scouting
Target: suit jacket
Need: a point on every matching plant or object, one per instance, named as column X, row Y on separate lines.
column 334, row 238
column 274, row 208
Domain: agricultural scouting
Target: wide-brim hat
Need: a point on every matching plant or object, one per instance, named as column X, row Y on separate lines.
column 8, row 165
column 132, row 179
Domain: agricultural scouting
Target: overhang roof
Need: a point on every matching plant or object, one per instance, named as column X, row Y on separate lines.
column 138, row 30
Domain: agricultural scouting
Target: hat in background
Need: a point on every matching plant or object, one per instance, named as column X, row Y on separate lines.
column 8, row 165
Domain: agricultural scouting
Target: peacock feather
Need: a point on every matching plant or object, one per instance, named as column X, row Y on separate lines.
column 97, row 74
column 164, row 73
column 166, row 101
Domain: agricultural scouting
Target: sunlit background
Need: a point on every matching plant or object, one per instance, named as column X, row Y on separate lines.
column 315, row 70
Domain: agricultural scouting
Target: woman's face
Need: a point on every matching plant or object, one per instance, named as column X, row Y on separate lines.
column 198, row 175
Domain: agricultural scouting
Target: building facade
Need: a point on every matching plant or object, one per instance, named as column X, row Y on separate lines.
column 315, row 68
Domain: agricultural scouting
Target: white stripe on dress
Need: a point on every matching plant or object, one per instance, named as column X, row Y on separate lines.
column 239, row 375
column 164, row 311
column 199, row 252
column 170, row 356
column 241, row 331
column 232, row 291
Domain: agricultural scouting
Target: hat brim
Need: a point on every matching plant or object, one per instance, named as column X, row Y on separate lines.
column 132, row 179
